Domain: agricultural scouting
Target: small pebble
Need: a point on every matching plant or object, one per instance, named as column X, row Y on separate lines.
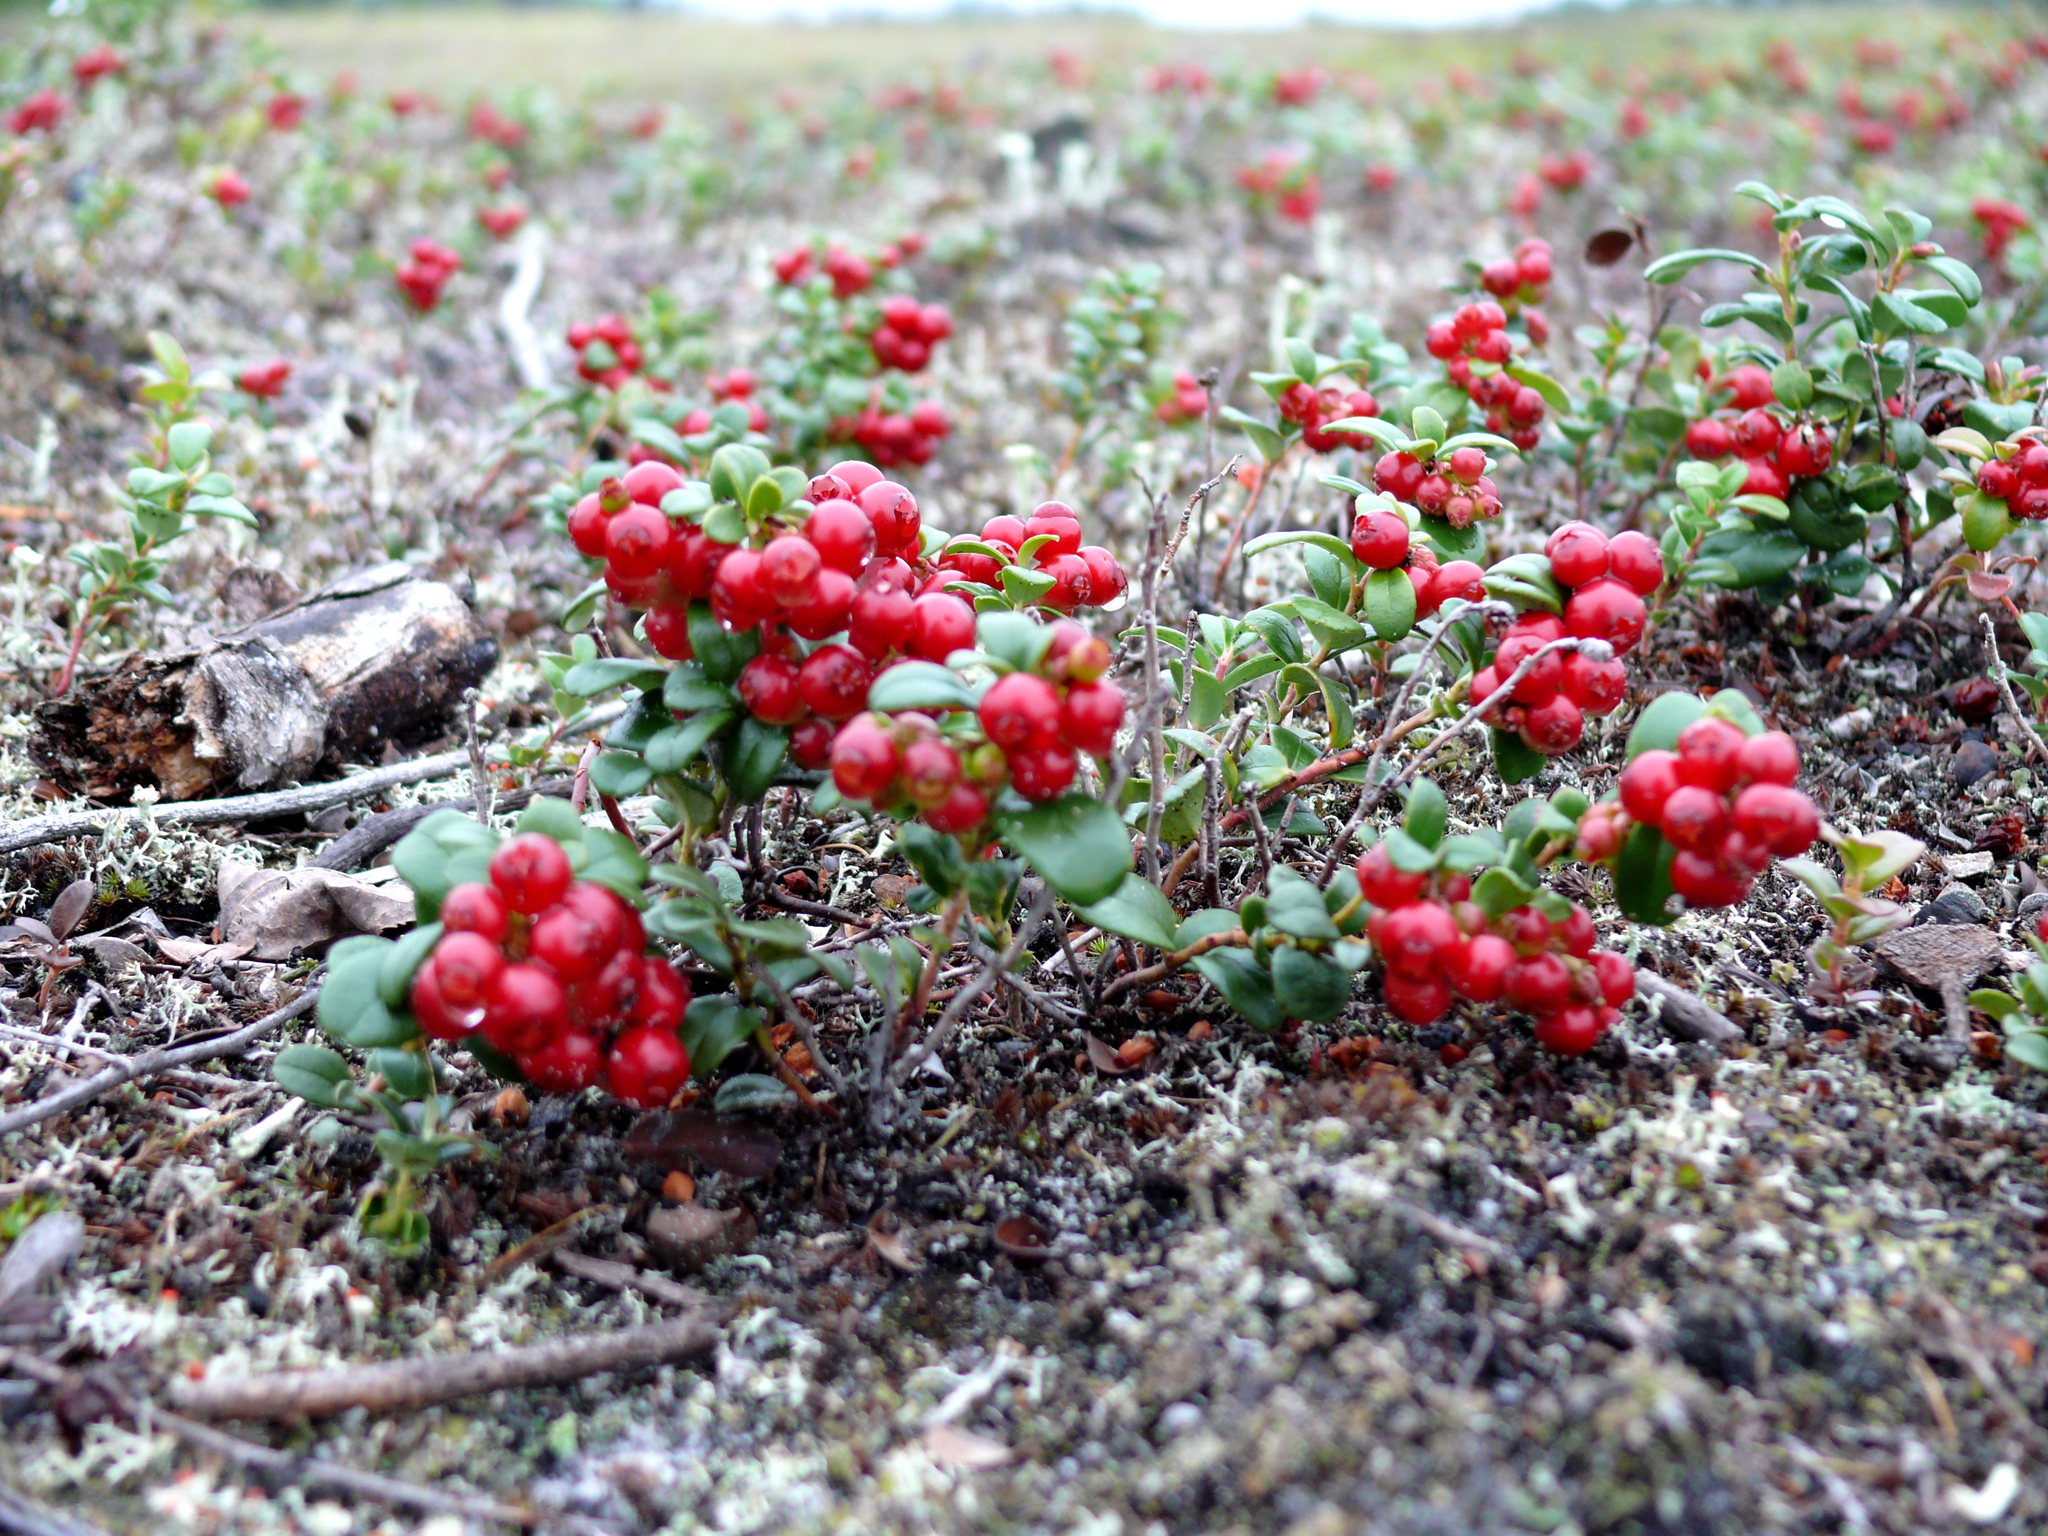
column 1957, row 904
column 1854, row 723
column 1974, row 760
column 1176, row 1419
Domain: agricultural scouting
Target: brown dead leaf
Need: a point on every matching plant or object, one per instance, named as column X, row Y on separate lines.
column 890, row 1245
column 673, row 1138
column 1104, row 1059
column 1985, row 587
column 283, row 911
column 70, row 907
column 1132, row 1052
column 964, row 1451
column 199, row 951
column 891, row 890
column 1608, row 247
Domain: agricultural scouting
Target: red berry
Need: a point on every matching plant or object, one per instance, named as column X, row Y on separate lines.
column 1616, row 976
column 475, row 908
column 810, row 743
column 1072, row 585
column 963, row 810
column 1707, row 753
column 1539, row 984
column 525, row 1009
column 1578, row 554
column 1709, row 439
column 1380, row 540
column 1457, row 579
column 930, row 769
column 569, row 1063
column 1703, row 882
column 1569, row 1031
column 663, row 998
column 1695, row 819
column 1634, row 560
column 843, row 534
column 1383, row 884
column 739, row 593
column 465, row 965
column 1004, row 530
column 571, row 943
column 1996, row 478
column 789, row 569
column 636, row 542
column 1482, row 972
column 1553, row 726
column 883, row 616
column 587, row 521
column 668, row 631
column 1107, row 580
column 531, row 872
column 1769, row 757
column 647, row 1066
column 768, row 687
column 1766, row 479
column 1577, row 932
column 1042, row 772
column 1414, row 940
column 893, row 511
column 1020, row 710
column 1777, row 818
column 1089, row 717
column 1400, row 475
column 941, row 625
column 1606, row 610
column 834, row 681
column 1757, row 434
column 648, row 482
column 829, row 610
column 438, row 1018
column 864, row 761
column 1416, row 1000
column 1597, row 687
column 855, row 474
column 1467, row 464
column 1647, row 783
column 1806, row 451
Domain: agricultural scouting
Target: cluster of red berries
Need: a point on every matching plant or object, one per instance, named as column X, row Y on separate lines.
column 850, row 273
column 425, row 272
column 1034, row 728
column 1382, row 541
column 2000, row 219
column 1186, row 401
column 1084, row 575
column 40, row 111
column 735, row 386
column 1523, row 278
column 1608, row 580
column 503, row 221
column 490, row 125
column 891, row 438
column 1776, row 454
column 2021, row 482
column 265, row 381
column 1565, row 173
column 101, row 61
column 285, row 111
column 552, row 972
column 1723, row 800
column 1286, row 181
column 607, row 353
column 1437, row 944
column 1298, row 87
column 1314, row 409
column 908, row 332
column 1477, row 333
column 1455, row 487
column 228, row 188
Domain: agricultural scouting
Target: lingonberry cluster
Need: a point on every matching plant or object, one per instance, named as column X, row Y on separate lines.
column 735, row 385
column 503, row 221
column 1383, row 541
column 425, row 272
column 1286, row 181
column 1084, row 575
column 1187, row 400
column 607, row 353
column 101, row 61
column 2000, row 220
column 908, row 332
column 1477, row 334
column 264, row 381
column 1776, row 452
column 553, row 972
column 850, row 273
column 1523, row 278
column 1029, row 733
column 2017, row 474
column 1724, row 801
column 1608, row 580
column 1455, row 487
column 41, row 111
column 1438, row 945
column 1314, row 409
column 891, row 438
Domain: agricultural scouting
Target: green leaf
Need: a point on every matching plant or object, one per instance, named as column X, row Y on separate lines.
column 1315, row 536
column 1793, row 385
column 187, row 441
column 1429, row 813
column 1514, row 759
column 1335, row 628
column 689, row 690
column 2028, row 1047
column 351, row 1006
column 1076, row 843
column 1661, row 721
column 721, row 652
column 2000, row 1005
column 919, row 685
column 1388, row 602
column 1669, row 269
column 713, row 1028
column 1642, row 876
column 1328, row 577
column 1959, row 276
column 619, row 774
column 1337, row 706
column 1136, row 910
column 1295, row 907
column 1553, row 394
column 446, row 850
column 1746, row 557
column 401, row 960
column 409, row 1074
column 1301, row 357
column 553, row 818
column 1024, row 586
column 1265, row 441
column 1524, row 580
column 1501, row 889
column 677, row 747
column 587, row 679
column 934, row 855
column 1308, row 986
column 317, row 1075
column 1244, row 984
column 1767, row 317
column 754, row 754
column 1466, row 543
column 1014, row 639
column 613, row 862
column 1384, row 433
column 753, row 1093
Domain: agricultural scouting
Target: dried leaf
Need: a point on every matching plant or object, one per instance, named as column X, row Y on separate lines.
column 672, row 1139
column 1985, row 587
column 51, row 1242
column 1608, row 247
column 1104, row 1059
column 283, row 911
column 963, row 1451
column 688, row 1237
column 891, row 1247
column 71, row 905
